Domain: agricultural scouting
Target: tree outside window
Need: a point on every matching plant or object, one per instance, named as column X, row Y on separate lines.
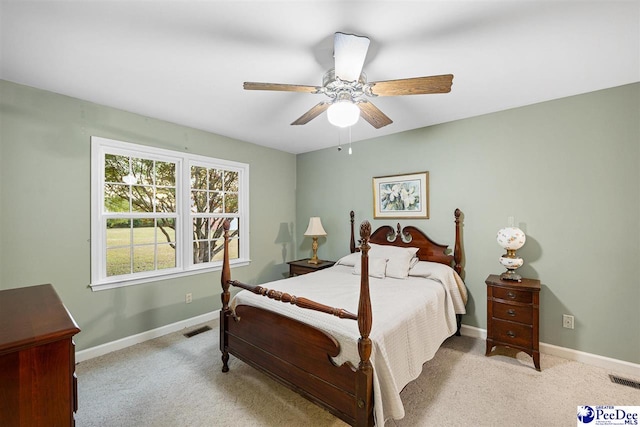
column 159, row 212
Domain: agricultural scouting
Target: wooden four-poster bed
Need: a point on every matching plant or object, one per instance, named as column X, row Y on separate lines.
column 306, row 357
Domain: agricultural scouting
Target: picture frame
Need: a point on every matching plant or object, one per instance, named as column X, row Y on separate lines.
column 401, row 196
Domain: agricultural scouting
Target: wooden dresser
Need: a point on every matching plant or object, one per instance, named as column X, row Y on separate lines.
column 38, row 386
column 513, row 315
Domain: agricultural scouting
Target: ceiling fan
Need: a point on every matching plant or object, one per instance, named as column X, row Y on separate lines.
column 347, row 88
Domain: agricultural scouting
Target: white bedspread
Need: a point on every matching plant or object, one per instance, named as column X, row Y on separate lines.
column 411, row 319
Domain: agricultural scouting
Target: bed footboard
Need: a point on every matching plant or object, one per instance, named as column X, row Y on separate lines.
column 294, row 354
column 299, row 355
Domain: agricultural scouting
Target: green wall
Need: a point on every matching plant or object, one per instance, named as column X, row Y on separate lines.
column 45, row 210
column 566, row 170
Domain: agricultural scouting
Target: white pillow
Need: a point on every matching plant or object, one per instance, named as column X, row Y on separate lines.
column 349, row 260
column 388, row 251
column 377, row 267
column 398, row 266
column 414, row 261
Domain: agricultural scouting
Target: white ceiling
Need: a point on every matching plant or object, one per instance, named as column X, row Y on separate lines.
column 185, row 61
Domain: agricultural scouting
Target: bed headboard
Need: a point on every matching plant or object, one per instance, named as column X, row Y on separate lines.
column 410, row 236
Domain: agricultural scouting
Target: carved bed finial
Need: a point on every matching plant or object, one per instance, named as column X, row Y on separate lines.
column 365, row 229
column 352, row 242
column 365, row 233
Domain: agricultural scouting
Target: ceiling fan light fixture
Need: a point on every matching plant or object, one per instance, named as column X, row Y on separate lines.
column 343, row 112
column 347, row 88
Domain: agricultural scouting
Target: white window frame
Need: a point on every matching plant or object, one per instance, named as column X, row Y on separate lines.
column 184, row 240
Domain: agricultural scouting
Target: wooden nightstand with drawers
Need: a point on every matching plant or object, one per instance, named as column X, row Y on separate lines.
column 302, row 266
column 513, row 315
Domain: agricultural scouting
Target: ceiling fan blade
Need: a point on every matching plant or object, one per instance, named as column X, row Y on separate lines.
column 373, row 115
column 413, row 86
column 349, row 52
column 280, row 87
column 314, row 112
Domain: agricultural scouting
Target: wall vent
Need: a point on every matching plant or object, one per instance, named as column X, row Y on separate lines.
column 623, row 381
column 197, row 331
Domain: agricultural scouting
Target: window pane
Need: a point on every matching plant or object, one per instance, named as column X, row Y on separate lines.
column 143, row 170
column 216, row 228
column 231, row 181
column 144, row 231
column 115, row 167
column 217, row 247
column 166, row 174
column 200, row 252
column 215, row 202
column 118, row 261
column 233, row 249
column 198, row 178
column 199, row 201
column 200, row 229
column 234, row 224
column 166, row 231
column 165, row 200
column 231, row 203
column 116, row 198
column 142, row 198
column 143, row 258
column 118, row 232
column 215, row 179
column 166, row 257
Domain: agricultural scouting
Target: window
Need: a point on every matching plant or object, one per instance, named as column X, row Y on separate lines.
column 158, row 213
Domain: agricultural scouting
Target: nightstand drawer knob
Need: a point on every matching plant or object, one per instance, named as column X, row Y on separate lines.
column 511, row 312
column 511, row 295
column 511, row 334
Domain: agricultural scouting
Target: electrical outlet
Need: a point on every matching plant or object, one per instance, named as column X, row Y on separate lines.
column 188, row 298
column 567, row 321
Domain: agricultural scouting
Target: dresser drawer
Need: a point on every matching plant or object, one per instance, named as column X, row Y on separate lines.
column 512, row 333
column 512, row 295
column 514, row 313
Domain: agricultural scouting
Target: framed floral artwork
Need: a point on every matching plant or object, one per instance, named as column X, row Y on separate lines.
column 401, row 196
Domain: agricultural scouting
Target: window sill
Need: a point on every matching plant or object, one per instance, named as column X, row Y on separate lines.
column 112, row 284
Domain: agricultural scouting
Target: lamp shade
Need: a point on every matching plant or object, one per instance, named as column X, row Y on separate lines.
column 511, row 238
column 343, row 113
column 315, row 227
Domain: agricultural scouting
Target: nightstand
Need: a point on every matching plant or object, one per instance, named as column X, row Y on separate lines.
column 513, row 315
column 302, row 266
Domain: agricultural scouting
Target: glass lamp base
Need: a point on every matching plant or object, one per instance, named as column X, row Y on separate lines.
column 511, row 275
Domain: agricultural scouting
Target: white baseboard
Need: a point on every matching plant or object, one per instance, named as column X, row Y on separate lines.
column 615, row 365
column 125, row 342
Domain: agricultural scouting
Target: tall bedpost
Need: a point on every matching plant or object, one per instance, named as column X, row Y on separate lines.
column 364, row 374
column 457, row 250
column 225, row 277
column 352, row 242
column 457, row 258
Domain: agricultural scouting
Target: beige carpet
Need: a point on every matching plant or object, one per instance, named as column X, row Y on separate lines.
column 176, row 381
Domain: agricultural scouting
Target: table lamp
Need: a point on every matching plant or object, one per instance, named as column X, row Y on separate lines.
column 512, row 239
column 314, row 230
